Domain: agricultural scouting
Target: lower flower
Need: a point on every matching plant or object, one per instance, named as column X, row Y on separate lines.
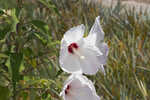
column 78, row 87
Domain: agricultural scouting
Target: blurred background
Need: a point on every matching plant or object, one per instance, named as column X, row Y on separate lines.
column 30, row 34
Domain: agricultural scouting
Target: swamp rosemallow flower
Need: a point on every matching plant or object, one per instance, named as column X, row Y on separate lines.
column 84, row 55
column 78, row 87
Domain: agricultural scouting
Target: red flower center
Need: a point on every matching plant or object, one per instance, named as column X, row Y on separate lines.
column 72, row 46
column 67, row 89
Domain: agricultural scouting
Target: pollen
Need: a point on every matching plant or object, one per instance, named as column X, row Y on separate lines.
column 72, row 46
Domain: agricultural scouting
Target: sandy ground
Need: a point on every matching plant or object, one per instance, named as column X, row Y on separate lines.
column 139, row 1
column 139, row 5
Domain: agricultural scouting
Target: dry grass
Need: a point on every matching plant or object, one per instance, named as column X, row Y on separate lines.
column 127, row 34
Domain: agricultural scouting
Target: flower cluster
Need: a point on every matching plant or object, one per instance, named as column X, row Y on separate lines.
column 79, row 55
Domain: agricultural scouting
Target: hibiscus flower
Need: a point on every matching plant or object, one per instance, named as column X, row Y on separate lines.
column 80, row 54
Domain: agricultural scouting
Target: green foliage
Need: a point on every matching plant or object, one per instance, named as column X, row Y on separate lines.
column 1, row 12
column 4, row 93
column 40, row 25
column 4, row 31
column 7, row 4
column 30, row 34
column 15, row 63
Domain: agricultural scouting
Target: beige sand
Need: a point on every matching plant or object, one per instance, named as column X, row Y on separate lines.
column 139, row 5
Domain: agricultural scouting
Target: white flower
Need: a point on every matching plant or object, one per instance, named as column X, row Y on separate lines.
column 84, row 55
column 78, row 87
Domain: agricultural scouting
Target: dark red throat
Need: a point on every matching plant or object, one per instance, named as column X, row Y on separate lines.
column 67, row 89
column 72, row 46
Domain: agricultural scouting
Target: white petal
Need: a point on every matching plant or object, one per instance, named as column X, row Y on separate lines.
column 83, row 93
column 81, row 88
column 85, row 80
column 69, row 98
column 96, row 33
column 74, row 34
column 86, row 91
column 90, row 64
column 68, row 62
column 101, row 67
column 103, row 47
column 75, row 80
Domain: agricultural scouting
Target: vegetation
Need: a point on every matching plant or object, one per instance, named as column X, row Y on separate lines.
column 30, row 34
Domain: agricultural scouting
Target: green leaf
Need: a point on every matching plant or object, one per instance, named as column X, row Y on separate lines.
column 15, row 63
column 50, row 5
column 44, row 95
column 24, row 95
column 2, row 55
column 4, row 93
column 4, row 31
column 59, row 72
column 42, row 26
column 8, row 4
column 32, row 94
column 52, row 70
column 18, row 10
column 28, row 52
column 14, row 20
column 1, row 12
column 40, row 37
column 44, row 2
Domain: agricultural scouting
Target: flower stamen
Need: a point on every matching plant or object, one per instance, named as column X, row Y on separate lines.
column 73, row 49
column 78, row 54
